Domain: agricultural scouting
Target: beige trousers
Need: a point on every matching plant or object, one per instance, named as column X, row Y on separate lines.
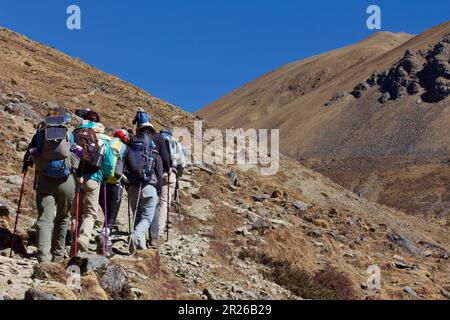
column 89, row 211
column 160, row 220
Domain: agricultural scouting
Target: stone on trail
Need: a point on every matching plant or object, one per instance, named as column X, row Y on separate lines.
column 52, row 291
column 411, row 292
column 89, row 262
column 114, row 281
column 14, row 180
column 4, row 209
column 209, row 294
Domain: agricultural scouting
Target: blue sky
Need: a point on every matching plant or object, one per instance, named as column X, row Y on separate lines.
column 191, row 52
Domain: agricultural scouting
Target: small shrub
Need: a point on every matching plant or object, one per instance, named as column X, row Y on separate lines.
column 298, row 281
column 336, row 281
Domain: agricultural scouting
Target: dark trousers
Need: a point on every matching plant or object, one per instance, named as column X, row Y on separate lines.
column 114, row 193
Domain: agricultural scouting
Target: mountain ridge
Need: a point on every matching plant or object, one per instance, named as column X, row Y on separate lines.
column 320, row 119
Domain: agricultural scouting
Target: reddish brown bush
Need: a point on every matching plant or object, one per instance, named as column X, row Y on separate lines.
column 336, row 281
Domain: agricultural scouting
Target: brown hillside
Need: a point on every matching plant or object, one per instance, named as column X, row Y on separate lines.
column 310, row 102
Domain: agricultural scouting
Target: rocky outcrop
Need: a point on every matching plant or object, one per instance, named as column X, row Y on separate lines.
column 427, row 74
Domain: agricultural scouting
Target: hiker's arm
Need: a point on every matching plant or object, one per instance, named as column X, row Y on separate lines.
column 27, row 159
column 159, row 175
column 164, row 152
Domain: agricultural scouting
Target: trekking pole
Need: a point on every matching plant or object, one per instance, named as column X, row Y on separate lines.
column 77, row 216
column 129, row 214
column 22, row 191
column 105, row 253
column 168, row 207
column 135, row 212
column 177, row 199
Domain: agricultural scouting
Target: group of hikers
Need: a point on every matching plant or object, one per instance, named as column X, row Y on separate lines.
column 81, row 172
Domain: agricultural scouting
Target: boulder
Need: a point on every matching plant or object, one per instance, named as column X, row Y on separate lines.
column 403, row 266
column 22, row 146
column 22, row 109
column 209, row 294
column 303, row 206
column 277, row 194
column 261, row 224
column 92, row 289
column 315, row 233
column 404, row 243
column 49, row 271
column 397, row 91
column 445, row 293
column 413, row 88
column 233, row 178
column 88, row 262
column 114, row 280
column 359, row 89
column 385, row 97
column 411, row 292
column 52, row 291
column 14, row 180
column 4, row 210
column 373, row 80
column 260, row 198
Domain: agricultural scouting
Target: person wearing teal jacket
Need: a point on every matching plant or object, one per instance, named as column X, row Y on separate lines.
column 90, row 184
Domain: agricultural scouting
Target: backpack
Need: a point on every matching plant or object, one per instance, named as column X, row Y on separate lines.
column 118, row 148
column 93, row 153
column 177, row 153
column 142, row 117
column 54, row 140
column 141, row 160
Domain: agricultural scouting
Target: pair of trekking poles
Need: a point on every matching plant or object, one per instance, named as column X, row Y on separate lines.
column 75, row 228
column 132, row 220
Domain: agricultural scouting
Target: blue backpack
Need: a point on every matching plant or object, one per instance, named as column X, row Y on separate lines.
column 141, row 160
column 142, row 117
column 54, row 140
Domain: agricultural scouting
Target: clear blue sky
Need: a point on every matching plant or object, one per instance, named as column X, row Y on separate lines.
column 191, row 52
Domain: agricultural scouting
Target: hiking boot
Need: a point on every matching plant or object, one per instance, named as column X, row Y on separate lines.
column 83, row 244
column 100, row 241
column 154, row 244
column 133, row 245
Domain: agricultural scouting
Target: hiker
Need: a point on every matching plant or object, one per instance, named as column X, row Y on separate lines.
column 50, row 150
column 169, row 183
column 96, row 165
column 82, row 113
column 114, row 187
column 147, row 159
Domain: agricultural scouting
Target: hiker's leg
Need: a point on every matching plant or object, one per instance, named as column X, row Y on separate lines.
column 154, row 229
column 114, row 193
column 133, row 194
column 64, row 198
column 147, row 207
column 91, row 192
column 166, row 200
column 46, row 207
